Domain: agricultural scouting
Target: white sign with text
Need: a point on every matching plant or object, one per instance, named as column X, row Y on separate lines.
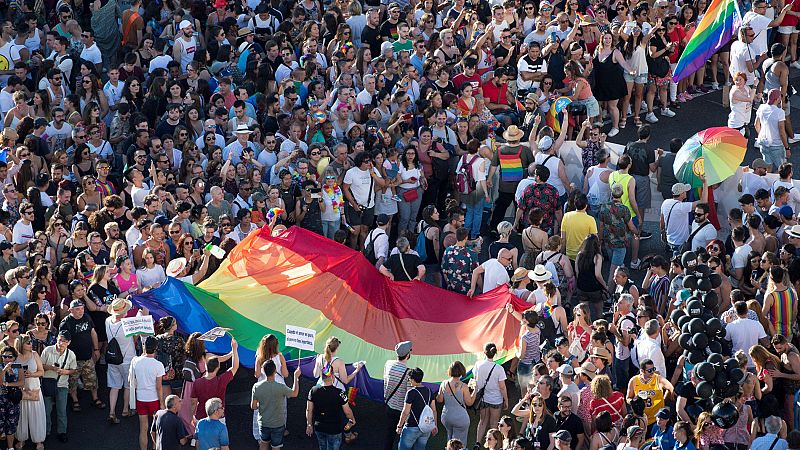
column 299, row 337
column 138, row 325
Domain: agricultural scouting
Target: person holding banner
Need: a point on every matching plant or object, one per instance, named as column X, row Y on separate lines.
column 117, row 375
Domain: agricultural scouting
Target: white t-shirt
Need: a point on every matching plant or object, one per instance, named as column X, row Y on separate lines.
column 138, row 195
column 770, row 117
column 744, row 333
column 704, row 236
column 752, row 182
column 114, row 330
column 22, row 235
column 759, row 24
column 740, row 54
column 481, row 372
column 146, row 371
column 677, row 231
column 6, row 102
column 359, row 182
column 92, row 54
column 494, row 274
column 380, row 242
column 407, row 174
column 524, row 65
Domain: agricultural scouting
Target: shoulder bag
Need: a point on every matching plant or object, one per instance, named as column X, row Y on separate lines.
column 394, row 391
column 688, row 244
column 479, row 395
column 50, row 385
column 403, row 265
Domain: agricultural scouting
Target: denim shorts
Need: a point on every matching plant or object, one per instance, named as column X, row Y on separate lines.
column 773, row 155
column 638, row 79
column 273, row 436
column 617, row 256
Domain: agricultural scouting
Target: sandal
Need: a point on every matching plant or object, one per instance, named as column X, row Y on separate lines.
column 113, row 420
column 128, row 413
column 76, row 407
column 98, row 404
column 637, row 121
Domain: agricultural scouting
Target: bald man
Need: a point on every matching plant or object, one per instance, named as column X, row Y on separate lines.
column 494, row 272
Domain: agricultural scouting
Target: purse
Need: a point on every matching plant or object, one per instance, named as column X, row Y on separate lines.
column 33, row 395
column 410, row 195
column 50, row 385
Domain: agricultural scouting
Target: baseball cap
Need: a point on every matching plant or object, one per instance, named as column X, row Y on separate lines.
column 566, row 369
column 759, row 163
column 184, row 24
column 680, row 188
column 545, row 143
column 563, row 435
column 403, row 349
column 664, row 413
column 786, row 211
column 75, row 304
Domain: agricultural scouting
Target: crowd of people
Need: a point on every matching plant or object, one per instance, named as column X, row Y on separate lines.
column 144, row 140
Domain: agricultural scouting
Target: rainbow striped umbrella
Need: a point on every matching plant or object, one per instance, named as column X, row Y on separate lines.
column 714, row 152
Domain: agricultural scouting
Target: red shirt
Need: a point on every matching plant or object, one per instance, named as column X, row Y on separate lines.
column 460, row 79
column 496, row 94
column 678, row 34
column 615, row 405
column 205, row 389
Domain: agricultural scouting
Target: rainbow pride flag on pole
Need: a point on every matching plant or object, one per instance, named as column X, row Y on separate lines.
column 717, row 28
column 555, row 116
column 302, row 279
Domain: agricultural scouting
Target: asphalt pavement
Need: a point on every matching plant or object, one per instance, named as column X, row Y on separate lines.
column 90, row 429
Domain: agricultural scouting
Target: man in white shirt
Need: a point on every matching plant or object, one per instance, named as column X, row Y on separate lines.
column 741, row 251
column 23, row 231
column 568, row 387
column 744, row 333
column 7, row 94
column 90, row 51
column 675, row 215
column 703, row 231
column 753, row 179
column 744, row 57
column 531, row 68
column 647, row 347
column 59, row 131
column 758, row 23
column 359, row 185
column 145, row 377
column 772, row 139
column 365, row 96
column 493, row 271
column 236, row 147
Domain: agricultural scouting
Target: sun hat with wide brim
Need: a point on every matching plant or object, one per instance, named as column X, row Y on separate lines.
column 513, row 133
column 540, row 273
column 120, row 306
column 520, row 274
column 176, row 266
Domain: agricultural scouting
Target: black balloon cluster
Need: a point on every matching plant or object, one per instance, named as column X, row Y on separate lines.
column 702, row 340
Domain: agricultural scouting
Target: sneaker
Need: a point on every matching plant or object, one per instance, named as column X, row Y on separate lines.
column 667, row 112
column 645, row 235
column 635, row 264
column 644, row 105
column 687, row 96
column 715, row 86
column 795, row 64
column 613, row 132
column 651, row 117
column 795, row 138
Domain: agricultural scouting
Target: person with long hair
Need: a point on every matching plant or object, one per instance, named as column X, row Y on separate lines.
column 102, row 290
column 490, row 377
column 605, row 433
column 456, row 396
column 493, row 439
column 32, row 420
column 340, row 375
column 540, row 422
column 171, row 353
column 13, row 378
column 132, row 93
column 634, row 52
column 150, row 275
column 707, row 432
column 506, row 428
column 194, row 366
column 765, row 364
column 609, row 65
column 433, row 248
column 413, row 184
column 18, row 111
column 268, row 350
column 42, row 333
column 590, row 280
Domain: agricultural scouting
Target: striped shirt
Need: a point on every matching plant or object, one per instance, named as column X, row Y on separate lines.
column 659, row 290
column 393, row 371
column 780, row 313
column 532, row 352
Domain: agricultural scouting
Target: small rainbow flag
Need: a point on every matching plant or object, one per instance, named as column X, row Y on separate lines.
column 556, row 113
column 718, row 26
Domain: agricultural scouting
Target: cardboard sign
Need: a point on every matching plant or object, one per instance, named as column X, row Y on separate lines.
column 299, row 337
column 214, row 333
column 138, row 325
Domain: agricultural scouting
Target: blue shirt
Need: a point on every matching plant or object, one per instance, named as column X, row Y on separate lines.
column 765, row 442
column 688, row 446
column 210, row 434
column 662, row 440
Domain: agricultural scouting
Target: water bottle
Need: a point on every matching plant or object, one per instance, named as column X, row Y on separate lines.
column 216, row 251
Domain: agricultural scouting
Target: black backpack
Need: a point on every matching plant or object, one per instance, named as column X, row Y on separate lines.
column 369, row 248
column 114, row 353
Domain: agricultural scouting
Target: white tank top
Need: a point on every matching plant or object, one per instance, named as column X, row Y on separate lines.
column 187, row 51
column 599, row 192
column 552, row 165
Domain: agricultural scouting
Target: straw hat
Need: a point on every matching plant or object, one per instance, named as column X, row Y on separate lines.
column 513, row 134
column 520, row 274
column 120, row 306
column 176, row 266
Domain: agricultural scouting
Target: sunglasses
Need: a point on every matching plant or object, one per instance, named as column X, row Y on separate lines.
column 8, row 356
column 650, row 370
column 41, row 324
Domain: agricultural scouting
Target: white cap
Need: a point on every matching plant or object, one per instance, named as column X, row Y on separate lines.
column 184, row 24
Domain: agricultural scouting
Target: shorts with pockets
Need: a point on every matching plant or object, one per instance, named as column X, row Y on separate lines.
column 273, row 436
column 85, row 371
column 638, row 79
column 355, row 217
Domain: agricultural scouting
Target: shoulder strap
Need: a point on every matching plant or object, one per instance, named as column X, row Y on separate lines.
column 774, row 442
column 694, row 233
column 403, row 265
column 669, row 214
column 399, row 383
column 544, row 163
column 490, row 375
column 454, row 395
column 127, row 28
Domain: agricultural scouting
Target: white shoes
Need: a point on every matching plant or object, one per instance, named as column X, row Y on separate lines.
column 795, row 64
column 651, row 117
column 715, row 86
column 667, row 112
column 613, row 132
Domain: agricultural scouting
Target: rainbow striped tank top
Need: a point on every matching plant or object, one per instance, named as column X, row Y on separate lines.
column 510, row 166
column 780, row 314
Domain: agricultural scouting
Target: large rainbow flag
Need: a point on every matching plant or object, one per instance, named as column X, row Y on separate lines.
column 717, row 28
column 300, row 278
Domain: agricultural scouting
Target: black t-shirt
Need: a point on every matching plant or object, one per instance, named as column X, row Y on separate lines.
column 417, row 397
column 372, row 37
column 328, row 414
column 389, row 30
column 410, row 261
column 81, row 331
column 169, row 430
column 103, row 296
column 541, row 433
column 572, row 424
column 641, row 158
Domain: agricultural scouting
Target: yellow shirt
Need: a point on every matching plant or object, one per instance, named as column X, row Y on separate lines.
column 576, row 226
column 652, row 394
